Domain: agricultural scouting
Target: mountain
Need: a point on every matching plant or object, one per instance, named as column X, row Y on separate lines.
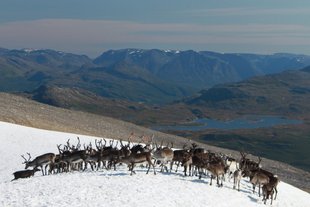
column 202, row 69
column 125, row 81
column 150, row 76
column 27, row 69
column 285, row 94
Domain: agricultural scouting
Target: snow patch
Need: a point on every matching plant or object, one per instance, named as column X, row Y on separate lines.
column 29, row 50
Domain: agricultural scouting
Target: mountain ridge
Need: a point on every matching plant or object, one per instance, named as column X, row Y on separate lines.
column 151, row 76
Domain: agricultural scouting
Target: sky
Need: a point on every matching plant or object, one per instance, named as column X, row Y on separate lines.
column 94, row 26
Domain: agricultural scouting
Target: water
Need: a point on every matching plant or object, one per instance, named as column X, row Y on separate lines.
column 245, row 122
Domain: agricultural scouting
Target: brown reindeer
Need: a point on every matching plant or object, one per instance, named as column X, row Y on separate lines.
column 247, row 164
column 163, row 155
column 40, row 161
column 178, row 156
column 272, row 184
column 218, row 170
column 135, row 158
column 24, row 173
column 259, row 178
column 187, row 162
column 268, row 190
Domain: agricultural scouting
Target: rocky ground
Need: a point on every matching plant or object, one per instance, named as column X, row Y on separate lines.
column 19, row 110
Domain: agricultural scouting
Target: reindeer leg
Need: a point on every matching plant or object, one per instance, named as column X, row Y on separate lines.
column 154, row 169
column 166, row 168
column 98, row 165
column 200, row 171
column 276, row 193
column 148, row 169
column 42, row 170
column 46, row 170
column 131, row 169
column 221, row 179
column 177, row 167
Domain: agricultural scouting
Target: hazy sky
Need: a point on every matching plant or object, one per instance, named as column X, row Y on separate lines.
column 93, row 26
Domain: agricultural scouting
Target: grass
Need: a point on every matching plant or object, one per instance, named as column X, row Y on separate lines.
column 289, row 144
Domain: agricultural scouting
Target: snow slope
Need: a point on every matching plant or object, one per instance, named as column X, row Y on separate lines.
column 112, row 188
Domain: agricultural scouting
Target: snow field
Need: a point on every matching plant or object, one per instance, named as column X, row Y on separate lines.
column 113, row 188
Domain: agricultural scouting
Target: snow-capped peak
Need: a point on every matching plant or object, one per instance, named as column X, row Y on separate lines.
column 28, row 50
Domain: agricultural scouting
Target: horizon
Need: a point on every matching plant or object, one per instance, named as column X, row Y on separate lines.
column 164, row 50
column 76, row 26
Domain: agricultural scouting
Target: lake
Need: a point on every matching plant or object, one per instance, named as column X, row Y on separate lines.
column 245, row 122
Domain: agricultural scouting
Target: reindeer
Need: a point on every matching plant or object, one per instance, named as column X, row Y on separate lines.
column 40, row 161
column 163, row 155
column 260, row 179
column 72, row 156
column 237, row 178
column 24, row 173
column 92, row 157
column 268, row 190
column 233, row 166
column 198, row 162
column 187, row 162
column 178, row 156
column 248, row 165
column 273, row 180
column 135, row 158
column 218, row 170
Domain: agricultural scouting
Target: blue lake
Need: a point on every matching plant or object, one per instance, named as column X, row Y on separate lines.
column 246, row 122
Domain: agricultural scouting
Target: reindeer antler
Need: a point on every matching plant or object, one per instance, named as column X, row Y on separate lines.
column 29, row 156
column 60, row 151
column 78, row 144
column 68, row 143
column 24, row 159
column 259, row 160
column 97, row 145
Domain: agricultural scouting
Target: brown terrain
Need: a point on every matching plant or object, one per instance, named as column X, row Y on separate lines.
column 20, row 110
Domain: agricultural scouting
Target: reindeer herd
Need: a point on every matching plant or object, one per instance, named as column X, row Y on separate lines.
column 194, row 160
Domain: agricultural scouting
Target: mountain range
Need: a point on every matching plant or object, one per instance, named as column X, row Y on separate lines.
column 150, row 76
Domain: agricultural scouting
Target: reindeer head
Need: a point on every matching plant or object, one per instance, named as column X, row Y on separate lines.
column 26, row 162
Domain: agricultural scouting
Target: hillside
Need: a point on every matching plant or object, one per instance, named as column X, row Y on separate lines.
column 114, row 188
column 285, row 94
column 19, row 110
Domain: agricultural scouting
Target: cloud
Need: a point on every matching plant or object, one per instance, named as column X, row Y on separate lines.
column 246, row 11
column 90, row 35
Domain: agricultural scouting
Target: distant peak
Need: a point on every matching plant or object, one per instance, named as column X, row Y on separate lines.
column 28, row 50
